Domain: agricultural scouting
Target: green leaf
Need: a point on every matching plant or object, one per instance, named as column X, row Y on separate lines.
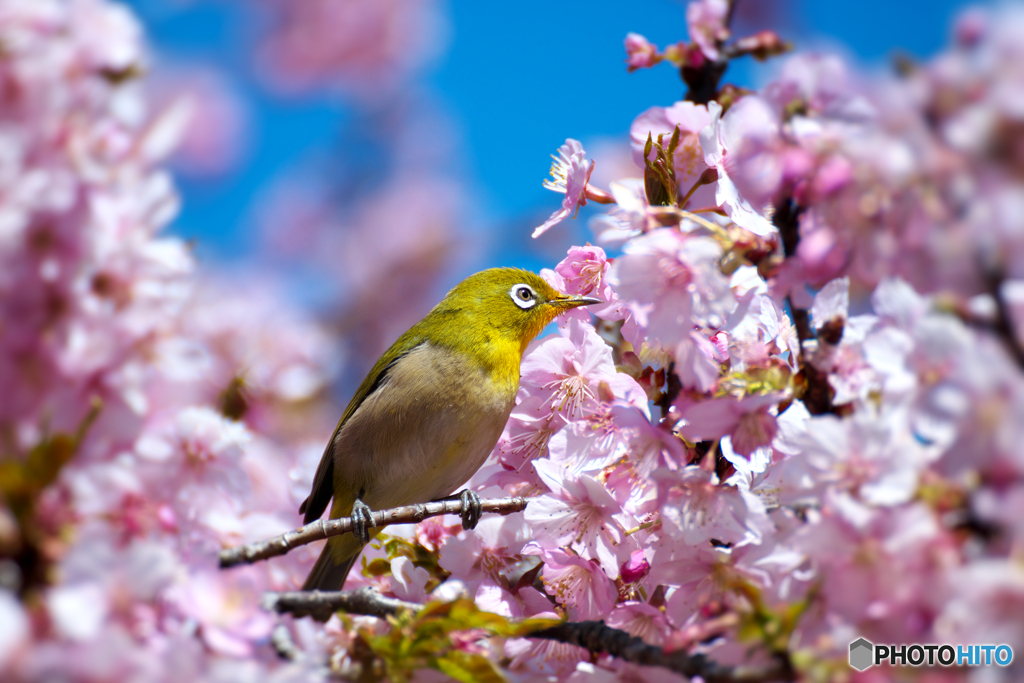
column 673, row 143
column 23, row 480
column 469, row 667
column 377, row 567
column 659, row 173
column 423, row 639
column 394, row 547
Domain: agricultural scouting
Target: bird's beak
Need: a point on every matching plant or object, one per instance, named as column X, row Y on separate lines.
column 574, row 301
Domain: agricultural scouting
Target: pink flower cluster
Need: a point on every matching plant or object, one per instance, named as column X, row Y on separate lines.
column 148, row 413
column 367, row 47
column 805, row 396
column 797, row 418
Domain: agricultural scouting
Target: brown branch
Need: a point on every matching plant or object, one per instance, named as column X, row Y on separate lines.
column 672, row 389
column 322, row 604
column 284, row 646
column 596, row 637
column 1004, row 327
column 760, row 46
column 325, row 528
column 813, row 387
column 591, row 635
column 702, row 75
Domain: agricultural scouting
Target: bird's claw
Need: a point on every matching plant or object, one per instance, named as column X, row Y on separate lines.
column 471, row 509
column 361, row 519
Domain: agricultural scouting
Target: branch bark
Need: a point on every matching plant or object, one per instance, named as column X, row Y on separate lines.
column 322, row 604
column 702, row 78
column 591, row 635
column 284, row 646
column 1004, row 320
column 596, row 637
column 325, row 528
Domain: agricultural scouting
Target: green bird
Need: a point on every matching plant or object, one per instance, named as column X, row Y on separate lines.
column 431, row 409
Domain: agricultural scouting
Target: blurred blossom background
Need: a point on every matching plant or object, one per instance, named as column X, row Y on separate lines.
column 217, row 213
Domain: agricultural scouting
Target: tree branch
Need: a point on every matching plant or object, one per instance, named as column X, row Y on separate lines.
column 702, row 75
column 591, row 635
column 1004, row 320
column 596, row 637
column 284, row 646
column 322, row 604
column 325, row 528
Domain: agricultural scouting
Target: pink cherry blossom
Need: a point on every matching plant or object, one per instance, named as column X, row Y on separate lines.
column 229, row 616
column 747, row 420
column 831, row 303
column 856, row 455
column 719, row 141
column 597, row 441
column 697, row 509
column 985, row 596
column 672, row 283
column 214, row 140
column 482, row 559
column 697, row 362
column 366, row 47
column 631, row 215
column 706, row 21
column 544, row 657
column 407, row 581
column 530, row 428
column 569, row 175
column 640, row 53
column 584, row 272
column 577, row 584
column 764, row 337
column 641, row 620
column 567, row 371
column 580, row 514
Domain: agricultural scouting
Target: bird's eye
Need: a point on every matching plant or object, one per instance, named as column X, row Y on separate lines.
column 523, row 296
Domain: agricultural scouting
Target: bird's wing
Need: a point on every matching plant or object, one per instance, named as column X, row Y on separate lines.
column 323, row 481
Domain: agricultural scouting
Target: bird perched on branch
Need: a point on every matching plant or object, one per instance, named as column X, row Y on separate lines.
column 431, row 409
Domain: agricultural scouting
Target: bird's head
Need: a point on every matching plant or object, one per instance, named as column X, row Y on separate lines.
column 509, row 304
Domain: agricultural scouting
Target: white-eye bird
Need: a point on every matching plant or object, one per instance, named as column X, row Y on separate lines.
column 431, row 409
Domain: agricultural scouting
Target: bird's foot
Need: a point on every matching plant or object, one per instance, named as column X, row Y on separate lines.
column 471, row 508
column 361, row 520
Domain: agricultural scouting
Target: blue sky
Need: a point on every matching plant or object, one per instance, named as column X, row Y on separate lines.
column 515, row 80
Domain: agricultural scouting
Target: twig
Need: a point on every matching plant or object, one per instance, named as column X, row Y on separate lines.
column 284, row 646
column 817, row 392
column 596, row 637
column 1004, row 321
column 320, row 529
column 322, row 604
column 787, row 220
column 672, row 388
column 592, row 635
column 702, row 78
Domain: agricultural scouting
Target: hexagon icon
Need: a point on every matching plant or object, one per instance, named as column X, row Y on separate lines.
column 861, row 654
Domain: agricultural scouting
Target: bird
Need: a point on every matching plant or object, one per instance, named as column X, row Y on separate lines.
column 430, row 410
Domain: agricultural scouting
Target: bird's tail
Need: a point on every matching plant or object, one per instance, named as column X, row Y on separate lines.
column 329, row 573
column 340, row 553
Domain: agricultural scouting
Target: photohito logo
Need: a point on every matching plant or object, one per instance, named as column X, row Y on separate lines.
column 864, row 653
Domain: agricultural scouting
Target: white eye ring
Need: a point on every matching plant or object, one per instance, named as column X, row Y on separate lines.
column 523, row 296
